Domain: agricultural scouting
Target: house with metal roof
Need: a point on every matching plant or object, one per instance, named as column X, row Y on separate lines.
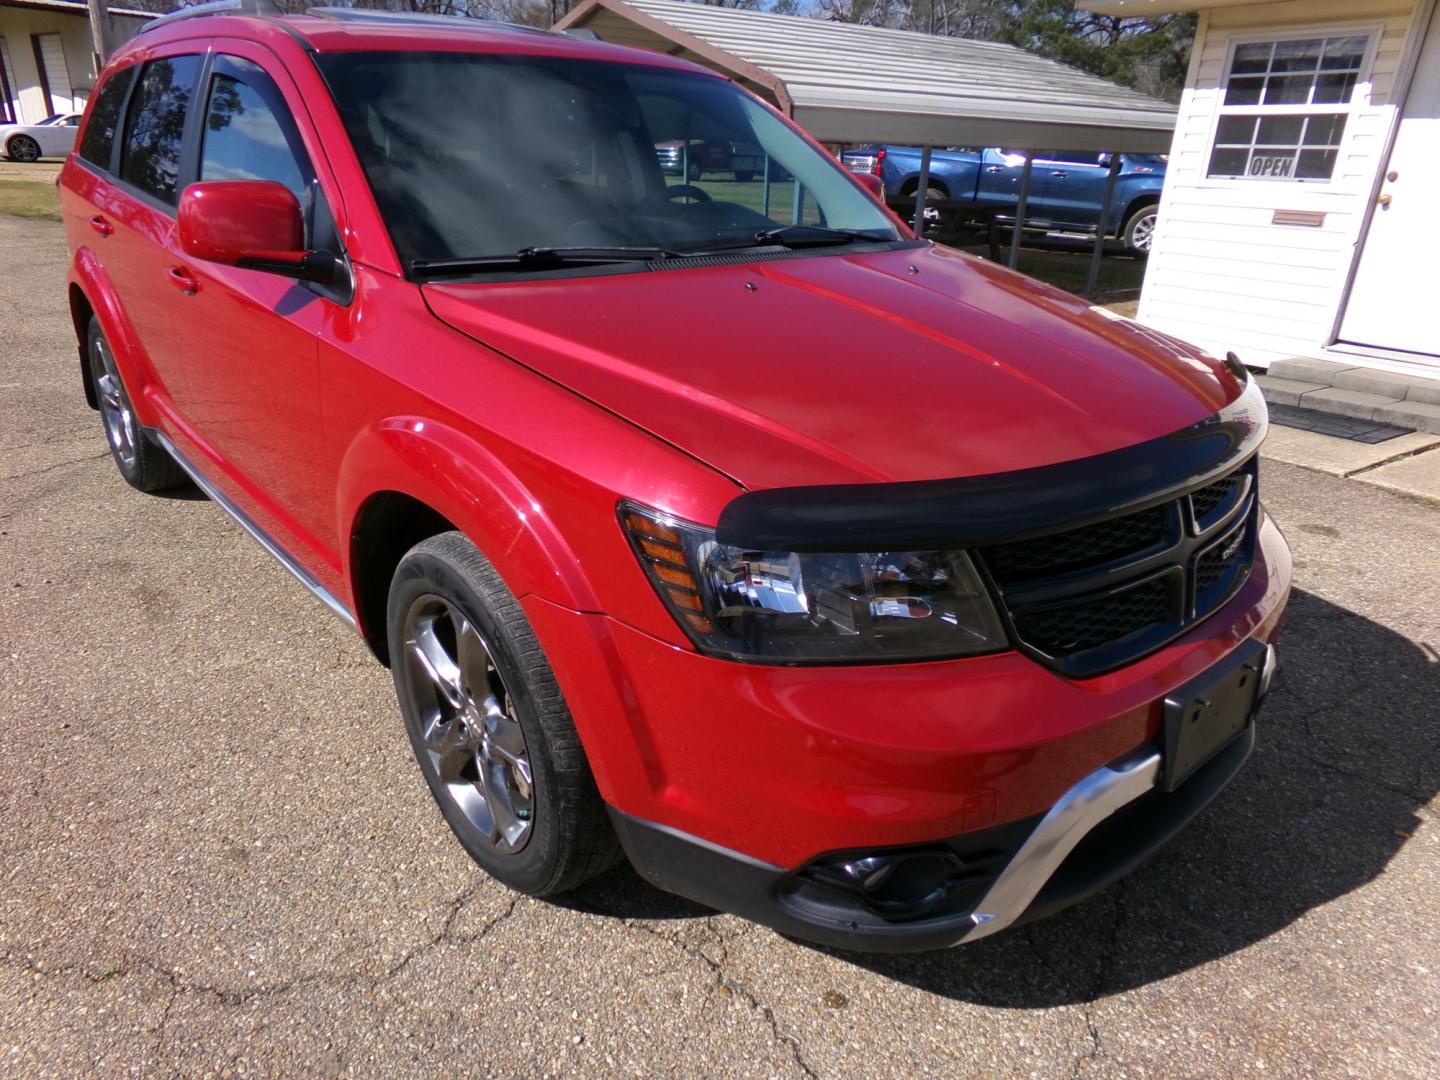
column 47, row 57
column 847, row 83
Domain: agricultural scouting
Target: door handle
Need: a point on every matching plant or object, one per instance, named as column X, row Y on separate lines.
column 993, row 168
column 1061, row 173
column 101, row 226
column 183, row 280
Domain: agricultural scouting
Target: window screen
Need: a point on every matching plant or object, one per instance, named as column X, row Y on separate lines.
column 155, row 125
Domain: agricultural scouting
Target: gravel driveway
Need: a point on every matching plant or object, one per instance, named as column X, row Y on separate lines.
column 219, row 858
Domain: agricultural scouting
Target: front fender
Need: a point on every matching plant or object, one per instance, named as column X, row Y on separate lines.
column 471, row 487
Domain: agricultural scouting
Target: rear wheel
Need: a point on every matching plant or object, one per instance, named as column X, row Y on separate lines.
column 488, row 725
column 1140, row 229
column 144, row 465
column 23, row 148
column 744, row 176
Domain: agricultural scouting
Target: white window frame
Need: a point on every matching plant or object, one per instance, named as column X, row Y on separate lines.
column 1359, row 98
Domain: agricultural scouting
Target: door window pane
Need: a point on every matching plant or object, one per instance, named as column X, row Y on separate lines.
column 100, row 130
column 245, row 140
column 155, row 125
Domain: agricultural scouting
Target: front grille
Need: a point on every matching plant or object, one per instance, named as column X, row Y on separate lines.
column 1062, row 631
column 1089, row 599
column 1079, row 548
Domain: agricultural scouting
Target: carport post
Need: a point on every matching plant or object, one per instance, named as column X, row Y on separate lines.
column 920, row 191
column 1020, row 210
column 1100, row 228
column 766, row 211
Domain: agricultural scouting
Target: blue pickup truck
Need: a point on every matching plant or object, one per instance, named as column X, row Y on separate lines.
column 1067, row 187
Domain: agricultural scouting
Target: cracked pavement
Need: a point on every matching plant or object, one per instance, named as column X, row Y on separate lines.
column 219, row 858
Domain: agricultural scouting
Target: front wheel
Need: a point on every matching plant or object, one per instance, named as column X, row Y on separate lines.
column 23, row 148
column 1139, row 230
column 488, row 724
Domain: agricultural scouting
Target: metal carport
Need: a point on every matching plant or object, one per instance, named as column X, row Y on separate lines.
column 847, row 83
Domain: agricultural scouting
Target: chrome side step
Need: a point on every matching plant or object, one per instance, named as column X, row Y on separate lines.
column 243, row 520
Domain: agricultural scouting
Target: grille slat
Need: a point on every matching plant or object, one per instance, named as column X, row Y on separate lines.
column 1106, row 619
column 1062, row 631
column 1078, row 549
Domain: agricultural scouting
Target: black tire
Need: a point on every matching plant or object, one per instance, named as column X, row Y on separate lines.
column 744, row 176
column 694, row 171
column 567, row 837
column 22, row 149
column 144, row 464
column 1139, row 230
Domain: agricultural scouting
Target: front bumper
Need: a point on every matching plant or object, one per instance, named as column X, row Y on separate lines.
column 1104, row 826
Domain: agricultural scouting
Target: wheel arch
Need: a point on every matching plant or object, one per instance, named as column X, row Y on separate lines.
column 432, row 479
column 1137, row 203
column 92, row 294
column 911, row 184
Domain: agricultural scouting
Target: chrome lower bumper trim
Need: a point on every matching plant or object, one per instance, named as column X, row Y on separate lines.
column 1079, row 810
column 264, row 539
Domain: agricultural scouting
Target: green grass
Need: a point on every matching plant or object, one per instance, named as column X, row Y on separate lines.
column 27, row 199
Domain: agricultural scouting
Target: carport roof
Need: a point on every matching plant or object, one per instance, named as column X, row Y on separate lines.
column 849, row 83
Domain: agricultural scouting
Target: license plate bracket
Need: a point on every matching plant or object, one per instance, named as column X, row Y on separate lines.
column 1206, row 713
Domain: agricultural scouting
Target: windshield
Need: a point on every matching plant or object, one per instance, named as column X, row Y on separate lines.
column 472, row 155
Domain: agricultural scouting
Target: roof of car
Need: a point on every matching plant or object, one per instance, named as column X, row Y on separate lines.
column 324, row 30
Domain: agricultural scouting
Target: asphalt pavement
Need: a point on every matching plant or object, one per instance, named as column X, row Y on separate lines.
column 219, row 858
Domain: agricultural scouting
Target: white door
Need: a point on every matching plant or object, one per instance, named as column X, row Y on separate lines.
column 57, row 74
column 1393, row 304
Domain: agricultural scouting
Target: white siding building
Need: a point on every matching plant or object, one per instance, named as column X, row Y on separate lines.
column 1301, row 209
column 47, row 62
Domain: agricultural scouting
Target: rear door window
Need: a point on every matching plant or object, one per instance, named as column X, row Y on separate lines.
column 99, row 137
column 155, row 126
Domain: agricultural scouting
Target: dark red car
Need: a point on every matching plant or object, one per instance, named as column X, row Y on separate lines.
column 849, row 583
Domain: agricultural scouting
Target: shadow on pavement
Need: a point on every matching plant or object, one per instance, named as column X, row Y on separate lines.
column 1347, row 752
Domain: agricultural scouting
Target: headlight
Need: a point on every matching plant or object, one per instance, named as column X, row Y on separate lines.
column 784, row 607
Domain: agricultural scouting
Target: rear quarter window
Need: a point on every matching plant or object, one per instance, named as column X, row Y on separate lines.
column 99, row 137
column 155, row 125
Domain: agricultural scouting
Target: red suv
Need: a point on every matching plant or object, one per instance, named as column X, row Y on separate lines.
column 845, row 582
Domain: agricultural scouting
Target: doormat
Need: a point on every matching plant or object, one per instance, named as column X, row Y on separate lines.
column 1339, row 427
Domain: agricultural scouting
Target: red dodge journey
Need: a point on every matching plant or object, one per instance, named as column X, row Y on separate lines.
column 848, row 583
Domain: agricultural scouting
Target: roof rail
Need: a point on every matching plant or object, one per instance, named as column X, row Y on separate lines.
column 378, row 15
column 215, row 7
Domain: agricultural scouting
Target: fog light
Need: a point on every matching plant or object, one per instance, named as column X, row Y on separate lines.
column 898, row 886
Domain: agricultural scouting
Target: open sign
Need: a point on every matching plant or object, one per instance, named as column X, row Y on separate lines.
column 1266, row 165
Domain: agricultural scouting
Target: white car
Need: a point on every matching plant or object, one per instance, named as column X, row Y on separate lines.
column 52, row 137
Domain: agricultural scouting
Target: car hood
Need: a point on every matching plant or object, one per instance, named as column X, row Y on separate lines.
column 908, row 364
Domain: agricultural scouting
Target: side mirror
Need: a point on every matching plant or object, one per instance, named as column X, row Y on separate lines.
column 873, row 184
column 253, row 224
column 1103, row 160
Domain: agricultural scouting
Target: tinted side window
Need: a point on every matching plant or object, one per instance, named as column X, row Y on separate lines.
column 244, row 137
column 100, row 131
column 155, row 125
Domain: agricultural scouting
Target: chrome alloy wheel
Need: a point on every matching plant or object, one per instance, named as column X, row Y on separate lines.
column 1143, row 232
column 23, row 149
column 120, row 426
column 467, row 723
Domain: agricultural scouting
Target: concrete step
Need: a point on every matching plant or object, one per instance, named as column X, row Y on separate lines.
column 1410, row 401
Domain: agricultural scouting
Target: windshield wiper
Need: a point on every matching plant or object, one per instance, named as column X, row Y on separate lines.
column 800, row 236
column 797, row 236
column 538, row 258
